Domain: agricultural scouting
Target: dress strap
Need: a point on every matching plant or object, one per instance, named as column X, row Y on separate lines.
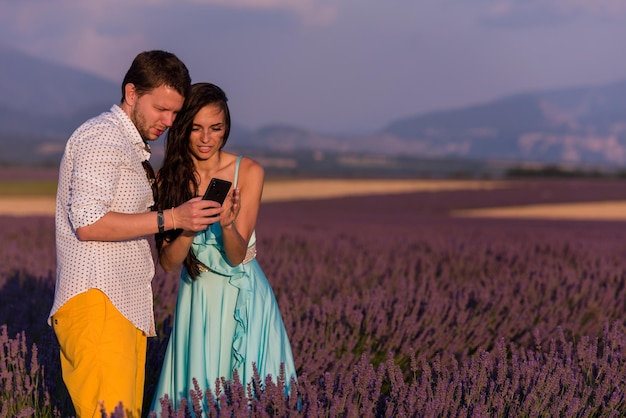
column 237, row 171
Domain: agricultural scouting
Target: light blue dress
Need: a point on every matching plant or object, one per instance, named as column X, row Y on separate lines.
column 225, row 320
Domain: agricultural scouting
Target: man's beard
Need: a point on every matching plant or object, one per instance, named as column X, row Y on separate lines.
column 140, row 123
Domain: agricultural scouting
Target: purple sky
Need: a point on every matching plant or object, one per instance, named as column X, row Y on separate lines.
column 337, row 66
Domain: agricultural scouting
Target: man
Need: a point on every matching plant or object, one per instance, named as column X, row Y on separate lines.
column 102, row 312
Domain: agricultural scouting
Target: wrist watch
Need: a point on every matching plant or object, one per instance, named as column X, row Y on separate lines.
column 160, row 221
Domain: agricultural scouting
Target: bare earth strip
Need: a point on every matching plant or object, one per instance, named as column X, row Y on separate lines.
column 27, row 205
column 608, row 211
column 274, row 191
column 329, row 188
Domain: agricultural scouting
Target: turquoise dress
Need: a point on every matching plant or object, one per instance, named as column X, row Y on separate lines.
column 225, row 320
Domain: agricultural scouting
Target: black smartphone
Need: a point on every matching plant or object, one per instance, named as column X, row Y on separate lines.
column 217, row 190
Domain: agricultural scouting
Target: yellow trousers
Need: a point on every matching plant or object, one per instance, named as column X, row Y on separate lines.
column 103, row 356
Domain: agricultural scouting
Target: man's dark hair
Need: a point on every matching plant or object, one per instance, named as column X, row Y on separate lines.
column 152, row 69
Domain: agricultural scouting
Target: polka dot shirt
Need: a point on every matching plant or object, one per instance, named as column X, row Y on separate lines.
column 101, row 172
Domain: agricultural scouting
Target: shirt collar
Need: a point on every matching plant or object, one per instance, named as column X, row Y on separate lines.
column 132, row 134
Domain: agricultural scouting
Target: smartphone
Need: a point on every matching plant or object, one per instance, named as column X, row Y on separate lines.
column 217, row 190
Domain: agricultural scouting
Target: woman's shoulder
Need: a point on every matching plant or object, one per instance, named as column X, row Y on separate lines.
column 250, row 164
column 247, row 164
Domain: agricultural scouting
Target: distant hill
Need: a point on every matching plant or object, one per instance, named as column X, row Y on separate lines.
column 39, row 87
column 41, row 103
column 586, row 125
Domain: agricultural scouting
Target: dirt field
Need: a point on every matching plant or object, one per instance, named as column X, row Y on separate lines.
column 608, row 211
column 329, row 188
column 26, row 206
column 283, row 191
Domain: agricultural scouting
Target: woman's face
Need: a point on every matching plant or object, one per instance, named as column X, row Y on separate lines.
column 207, row 132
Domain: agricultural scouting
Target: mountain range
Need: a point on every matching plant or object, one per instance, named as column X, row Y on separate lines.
column 41, row 103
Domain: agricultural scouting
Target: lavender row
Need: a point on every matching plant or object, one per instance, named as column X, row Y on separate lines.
column 563, row 379
column 388, row 312
column 28, row 173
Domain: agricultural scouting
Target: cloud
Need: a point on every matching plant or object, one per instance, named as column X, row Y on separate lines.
column 309, row 12
column 85, row 35
column 103, row 36
column 522, row 13
column 601, row 8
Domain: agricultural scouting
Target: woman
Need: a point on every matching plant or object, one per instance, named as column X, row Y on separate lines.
column 226, row 314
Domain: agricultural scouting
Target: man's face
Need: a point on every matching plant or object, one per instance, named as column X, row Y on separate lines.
column 154, row 112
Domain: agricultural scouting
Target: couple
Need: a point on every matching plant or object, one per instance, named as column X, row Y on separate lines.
column 226, row 315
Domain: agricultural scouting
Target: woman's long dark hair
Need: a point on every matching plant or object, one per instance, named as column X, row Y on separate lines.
column 178, row 179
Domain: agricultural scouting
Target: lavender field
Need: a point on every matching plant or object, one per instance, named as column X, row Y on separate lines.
column 393, row 308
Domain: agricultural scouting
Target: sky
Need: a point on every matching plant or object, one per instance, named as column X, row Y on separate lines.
column 344, row 66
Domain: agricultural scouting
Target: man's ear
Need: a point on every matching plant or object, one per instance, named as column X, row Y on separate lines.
column 130, row 94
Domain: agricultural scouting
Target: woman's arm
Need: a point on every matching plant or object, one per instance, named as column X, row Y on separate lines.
column 172, row 254
column 240, row 214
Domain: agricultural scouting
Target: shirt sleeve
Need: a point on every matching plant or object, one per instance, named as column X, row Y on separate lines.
column 98, row 157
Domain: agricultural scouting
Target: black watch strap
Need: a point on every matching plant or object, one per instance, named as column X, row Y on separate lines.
column 160, row 221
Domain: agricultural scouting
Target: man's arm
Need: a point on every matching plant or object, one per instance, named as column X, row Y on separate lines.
column 194, row 215
column 115, row 226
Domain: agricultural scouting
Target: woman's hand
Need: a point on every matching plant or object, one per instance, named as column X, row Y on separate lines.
column 231, row 209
